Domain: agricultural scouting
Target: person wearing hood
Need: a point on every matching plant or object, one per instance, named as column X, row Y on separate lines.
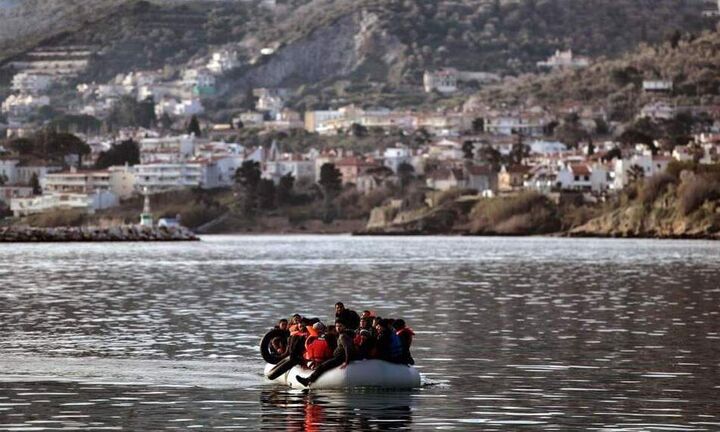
column 405, row 334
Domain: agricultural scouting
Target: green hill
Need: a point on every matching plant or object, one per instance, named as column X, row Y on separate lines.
column 363, row 47
column 691, row 62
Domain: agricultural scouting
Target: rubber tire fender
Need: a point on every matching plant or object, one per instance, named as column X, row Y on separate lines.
column 266, row 350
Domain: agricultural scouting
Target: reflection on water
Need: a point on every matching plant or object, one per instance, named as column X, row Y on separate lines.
column 336, row 411
column 532, row 334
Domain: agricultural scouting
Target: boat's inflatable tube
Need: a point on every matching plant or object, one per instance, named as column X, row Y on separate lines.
column 363, row 373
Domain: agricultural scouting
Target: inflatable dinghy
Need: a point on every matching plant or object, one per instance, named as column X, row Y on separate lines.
column 362, row 373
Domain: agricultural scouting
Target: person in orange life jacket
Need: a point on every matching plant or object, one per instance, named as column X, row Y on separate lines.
column 364, row 344
column 343, row 355
column 347, row 316
column 317, row 349
column 389, row 346
column 294, row 323
column 406, row 336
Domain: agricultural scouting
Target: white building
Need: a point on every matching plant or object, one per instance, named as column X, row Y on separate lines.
column 119, row 180
column 219, row 171
column 508, row 124
column 313, row 119
column 297, row 167
column 169, row 149
column 198, row 79
column 158, row 177
column 270, row 103
column 21, row 105
column 658, row 86
column 31, row 83
column 8, row 170
column 25, row 173
column 179, row 108
column 658, row 111
column 223, row 61
column 575, row 177
column 9, row 193
column 88, row 203
column 547, row 147
column 395, row 156
column 564, row 60
column 648, row 165
column 443, row 81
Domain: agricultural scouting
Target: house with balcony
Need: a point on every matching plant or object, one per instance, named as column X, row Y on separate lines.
column 119, row 180
column 159, row 177
column 88, row 203
column 443, row 81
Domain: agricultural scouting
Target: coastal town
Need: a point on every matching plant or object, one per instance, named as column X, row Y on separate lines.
column 148, row 132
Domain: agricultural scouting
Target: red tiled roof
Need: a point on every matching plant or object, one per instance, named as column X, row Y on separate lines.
column 580, row 170
column 480, row 170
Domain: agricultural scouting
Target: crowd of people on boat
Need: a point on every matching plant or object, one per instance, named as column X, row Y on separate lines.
column 321, row 347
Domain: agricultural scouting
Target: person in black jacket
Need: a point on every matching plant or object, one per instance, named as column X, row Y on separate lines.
column 349, row 317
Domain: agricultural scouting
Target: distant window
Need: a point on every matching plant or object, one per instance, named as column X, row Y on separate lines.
column 577, row 178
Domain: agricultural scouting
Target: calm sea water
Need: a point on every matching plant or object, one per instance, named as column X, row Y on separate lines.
column 512, row 334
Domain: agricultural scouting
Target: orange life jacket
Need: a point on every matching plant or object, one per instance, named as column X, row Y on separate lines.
column 317, row 349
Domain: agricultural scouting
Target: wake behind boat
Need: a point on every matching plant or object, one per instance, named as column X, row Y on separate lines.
column 358, row 351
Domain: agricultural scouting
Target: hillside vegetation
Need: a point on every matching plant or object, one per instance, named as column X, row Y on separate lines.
column 685, row 203
column 374, row 46
column 692, row 62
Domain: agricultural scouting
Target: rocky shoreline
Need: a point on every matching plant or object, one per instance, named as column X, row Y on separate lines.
column 130, row 233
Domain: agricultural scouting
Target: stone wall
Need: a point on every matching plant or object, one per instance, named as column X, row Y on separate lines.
column 95, row 234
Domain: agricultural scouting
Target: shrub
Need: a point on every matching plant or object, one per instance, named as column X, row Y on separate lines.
column 197, row 215
column 527, row 213
column 654, row 187
column 57, row 218
column 695, row 191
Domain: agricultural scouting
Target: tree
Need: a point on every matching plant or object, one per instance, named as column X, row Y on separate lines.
column 266, row 194
column 193, row 127
column 22, row 146
column 571, row 131
column 519, row 150
column 285, row 189
column 165, row 121
column 331, row 183
column 468, row 149
column 359, row 131
column 59, row 145
column 35, row 184
column 406, row 172
column 248, row 177
column 635, row 173
column 421, row 136
column 490, row 155
column 129, row 112
column 478, row 125
column 127, row 152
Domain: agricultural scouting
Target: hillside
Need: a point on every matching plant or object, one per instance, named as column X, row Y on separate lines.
column 342, row 48
column 691, row 62
column 24, row 24
column 683, row 205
